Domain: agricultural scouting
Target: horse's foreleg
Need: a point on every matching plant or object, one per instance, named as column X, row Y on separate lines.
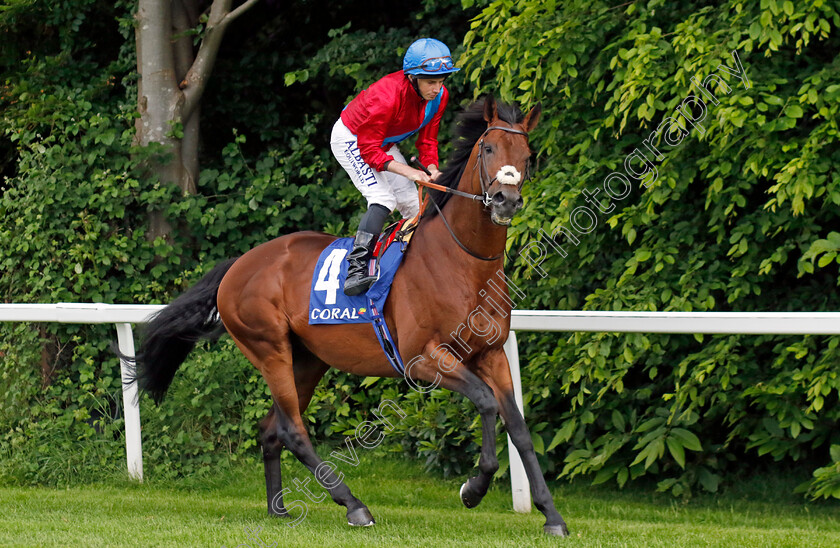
column 474, row 489
column 518, row 431
column 460, row 379
column 495, row 371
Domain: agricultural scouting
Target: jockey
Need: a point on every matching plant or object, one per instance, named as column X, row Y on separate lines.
column 364, row 141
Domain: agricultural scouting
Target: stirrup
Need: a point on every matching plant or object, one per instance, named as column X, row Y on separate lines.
column 359, row 279
column 354, row 287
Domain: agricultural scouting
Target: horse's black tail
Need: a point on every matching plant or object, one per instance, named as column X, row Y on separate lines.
column 173, row 332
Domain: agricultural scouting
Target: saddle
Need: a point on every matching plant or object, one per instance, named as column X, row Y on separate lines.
column 400, row 232
column 329, row 305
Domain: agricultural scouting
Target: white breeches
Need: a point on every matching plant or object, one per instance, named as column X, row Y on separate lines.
column 378, row 187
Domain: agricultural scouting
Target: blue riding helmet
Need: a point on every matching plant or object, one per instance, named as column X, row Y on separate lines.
column 428, row 57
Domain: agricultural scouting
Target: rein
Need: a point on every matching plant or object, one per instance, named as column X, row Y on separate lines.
column 484, row 197
column 457, row 241
column 477, row 197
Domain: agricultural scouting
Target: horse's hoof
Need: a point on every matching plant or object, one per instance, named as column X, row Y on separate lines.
column 556, row 530
column 282, row 513
column 276, row 510
column 360, row 517
column 469, row 497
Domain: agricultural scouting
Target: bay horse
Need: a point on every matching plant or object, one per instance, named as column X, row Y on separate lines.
column 439, row 311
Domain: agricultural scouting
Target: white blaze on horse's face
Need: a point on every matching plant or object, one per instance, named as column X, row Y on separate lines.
column 508, row 175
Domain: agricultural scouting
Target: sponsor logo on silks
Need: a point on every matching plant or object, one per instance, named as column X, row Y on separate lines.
column 336, row 313
column 363, row 171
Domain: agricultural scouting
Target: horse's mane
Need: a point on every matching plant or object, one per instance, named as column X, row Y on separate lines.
column 469, row 126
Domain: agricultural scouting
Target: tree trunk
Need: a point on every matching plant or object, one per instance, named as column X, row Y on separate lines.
column 172, row 79
column 185, row 17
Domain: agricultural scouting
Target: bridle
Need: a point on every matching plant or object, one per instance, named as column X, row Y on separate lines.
column 485, row 181
column 483, row 175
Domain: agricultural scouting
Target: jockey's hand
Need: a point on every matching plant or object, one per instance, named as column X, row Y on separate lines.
column 420, row 176
column 435, row 172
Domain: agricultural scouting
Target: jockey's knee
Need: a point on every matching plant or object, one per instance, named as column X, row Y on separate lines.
column 388, row 201
column 410, row 209
column 374, row 218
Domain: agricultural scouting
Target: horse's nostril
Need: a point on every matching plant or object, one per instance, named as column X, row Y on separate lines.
column 519, row 202
column 499, row 198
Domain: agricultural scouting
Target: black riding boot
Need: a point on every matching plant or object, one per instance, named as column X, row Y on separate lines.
column 358, row 281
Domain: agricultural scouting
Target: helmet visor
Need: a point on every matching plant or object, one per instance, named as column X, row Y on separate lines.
column 435, row 64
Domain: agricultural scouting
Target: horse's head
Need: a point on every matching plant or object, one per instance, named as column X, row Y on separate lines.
column 502, row 161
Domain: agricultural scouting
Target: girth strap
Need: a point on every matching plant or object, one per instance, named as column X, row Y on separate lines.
column 383, row 334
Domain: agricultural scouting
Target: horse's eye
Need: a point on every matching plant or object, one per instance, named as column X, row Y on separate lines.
column 488, row 149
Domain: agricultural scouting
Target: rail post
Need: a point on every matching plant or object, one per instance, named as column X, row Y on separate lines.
column 131, row 405
column 519, row 486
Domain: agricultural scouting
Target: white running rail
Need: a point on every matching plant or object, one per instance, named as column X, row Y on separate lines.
column 744, row 323
column 122, row 316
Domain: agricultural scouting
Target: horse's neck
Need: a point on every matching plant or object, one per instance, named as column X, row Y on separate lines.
column 471, row 224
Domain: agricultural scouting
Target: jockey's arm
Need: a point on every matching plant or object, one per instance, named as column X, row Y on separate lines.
column 411, row 173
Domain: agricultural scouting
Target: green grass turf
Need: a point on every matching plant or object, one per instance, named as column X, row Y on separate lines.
column 412, row 508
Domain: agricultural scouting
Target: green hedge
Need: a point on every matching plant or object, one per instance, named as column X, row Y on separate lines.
column 73, row 218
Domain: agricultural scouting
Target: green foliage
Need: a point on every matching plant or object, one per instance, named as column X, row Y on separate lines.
column 209, row 416
column 827, row 479
column 439, row 428
column 74, row 212
column 355, row 56
column 738, row 216
column 243, row 203
column 361, row 56
column 69, row 431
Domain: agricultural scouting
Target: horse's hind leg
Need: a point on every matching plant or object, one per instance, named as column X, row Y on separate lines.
column 271, row 353
column 308, row 373
column 272, row 448
column 293, row 433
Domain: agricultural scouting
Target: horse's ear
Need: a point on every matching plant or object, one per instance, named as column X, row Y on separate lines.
column 489, row 108
column 530, row 121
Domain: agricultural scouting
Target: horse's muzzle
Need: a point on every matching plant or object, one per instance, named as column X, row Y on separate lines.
column 503, row 206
